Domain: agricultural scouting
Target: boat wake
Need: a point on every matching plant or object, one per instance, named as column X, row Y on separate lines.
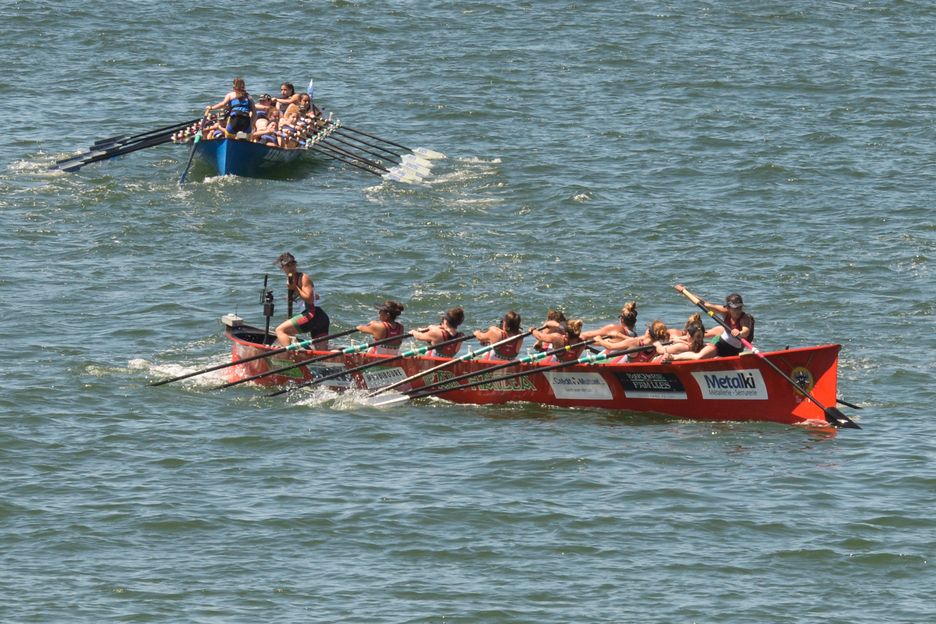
column 165, row 371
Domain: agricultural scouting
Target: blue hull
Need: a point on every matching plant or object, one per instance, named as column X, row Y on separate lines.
column 243, row 158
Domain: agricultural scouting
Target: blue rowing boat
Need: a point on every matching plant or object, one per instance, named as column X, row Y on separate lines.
column 244, row 158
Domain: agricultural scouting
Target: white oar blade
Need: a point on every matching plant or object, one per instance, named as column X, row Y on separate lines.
column 399, row 176
column 420, row 171
column 416, row 160
column 386, row 399
column 428, row 153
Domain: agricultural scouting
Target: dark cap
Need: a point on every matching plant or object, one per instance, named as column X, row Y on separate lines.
column 382, row 306
column 284, row 259
column 734, row 301
column 265, row 96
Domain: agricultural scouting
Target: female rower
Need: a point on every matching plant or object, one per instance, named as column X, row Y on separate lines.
column 288, row 132
column 311, row 318
column 555, row 324
column 289, row 96
column 727, row 343
column 305, row 104
column 628, row 319
column 446, row 330
column 386, row 327
column 509, row 327
column 691, row 339
column 267, row 128
column 240, row 107
column 653, row 339
column 571, row 337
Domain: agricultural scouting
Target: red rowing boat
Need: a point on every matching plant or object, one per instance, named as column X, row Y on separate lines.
column 741, row 388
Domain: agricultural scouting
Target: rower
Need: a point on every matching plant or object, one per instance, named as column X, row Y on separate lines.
column 446, row 330
column 509, row 327
column 628, row 319
column 385, row 327
column 570, row 338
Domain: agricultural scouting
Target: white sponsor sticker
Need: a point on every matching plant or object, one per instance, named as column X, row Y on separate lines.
column 579, row 386
column 380, row 376
column 734, row 384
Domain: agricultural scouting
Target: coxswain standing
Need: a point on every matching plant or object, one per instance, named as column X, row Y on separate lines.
column 385, row 327
column 311, row 317
column 242, row 112
column 446, row 330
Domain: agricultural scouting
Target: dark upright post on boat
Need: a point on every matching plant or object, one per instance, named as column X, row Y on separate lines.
column 266, row 298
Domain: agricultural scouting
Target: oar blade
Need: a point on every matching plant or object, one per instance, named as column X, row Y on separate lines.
column 428, row 153
column 413, row 158
column 839, row 420
column 398, row 176
column 386, row 399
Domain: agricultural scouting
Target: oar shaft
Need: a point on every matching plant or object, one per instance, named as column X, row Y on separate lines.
column 524, row 360
column 124, row 139
column 376, row 138
column 412, row 353
column 587, row 359
column 342, row 159
column 463, row 358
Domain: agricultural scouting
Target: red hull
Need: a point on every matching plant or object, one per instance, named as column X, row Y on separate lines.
column 735, row 388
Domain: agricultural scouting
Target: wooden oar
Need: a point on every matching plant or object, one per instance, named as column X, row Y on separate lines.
column 589, row 358
column 346, row 351
column 468, row 356
column 294, row 347
column 832, row 415
column 411, row 353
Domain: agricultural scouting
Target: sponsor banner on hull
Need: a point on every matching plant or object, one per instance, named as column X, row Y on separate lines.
column 651, row 385
column 589, row 386
column 380, row 376
column 734, row 384
column 323, row 370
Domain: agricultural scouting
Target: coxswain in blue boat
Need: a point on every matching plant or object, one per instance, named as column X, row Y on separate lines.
column 385, row 327
column 311, row 317
column 446, row 330
column 625, row 329
column 509, row 327
column 725, row 343
column 242, row 111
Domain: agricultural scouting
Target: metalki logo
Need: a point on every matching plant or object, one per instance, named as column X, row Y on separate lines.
column 737, row 384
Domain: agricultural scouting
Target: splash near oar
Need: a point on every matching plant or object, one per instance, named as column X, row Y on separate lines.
column 833, row 416
column 277, row 371
column 294, row 347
